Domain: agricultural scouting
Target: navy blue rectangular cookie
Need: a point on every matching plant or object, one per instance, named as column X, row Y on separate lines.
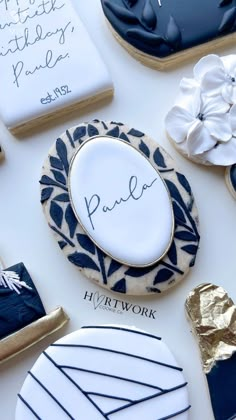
column 23, row 320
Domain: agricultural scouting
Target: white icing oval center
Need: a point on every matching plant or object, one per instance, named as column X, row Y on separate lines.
column 121, row 201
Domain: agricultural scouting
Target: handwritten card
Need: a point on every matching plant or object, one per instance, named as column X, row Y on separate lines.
column 48, row 62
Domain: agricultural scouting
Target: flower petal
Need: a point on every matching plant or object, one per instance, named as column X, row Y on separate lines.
column 213, row 105
column 223, row 154
column 227, row 92
column 207, row 63
column 232, row 117
column 178, row 122
column 213, row 81
column 219, row 126
column 199, row 139
column 229, row 62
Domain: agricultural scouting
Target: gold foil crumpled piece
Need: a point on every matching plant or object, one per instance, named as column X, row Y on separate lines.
column 213, row 317
column 15, row 343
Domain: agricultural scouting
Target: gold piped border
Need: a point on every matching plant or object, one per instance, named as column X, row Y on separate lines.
column 83, row 227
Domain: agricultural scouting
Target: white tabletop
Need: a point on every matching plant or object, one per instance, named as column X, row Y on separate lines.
column 142, row 98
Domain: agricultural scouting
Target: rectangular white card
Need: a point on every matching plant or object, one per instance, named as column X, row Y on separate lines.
column 47, row 60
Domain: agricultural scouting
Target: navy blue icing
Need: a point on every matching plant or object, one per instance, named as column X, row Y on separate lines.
column 222, row 386
column 174, row 26
column 233, row 176
column 19, row 310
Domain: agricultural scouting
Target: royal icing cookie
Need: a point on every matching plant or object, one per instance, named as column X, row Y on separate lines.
column 23, row 320
column 202, row 123
column 212, row 314
column 47, row 61
column 230, row 178
column 161, row 33
column 119, row 209
column 105, row 372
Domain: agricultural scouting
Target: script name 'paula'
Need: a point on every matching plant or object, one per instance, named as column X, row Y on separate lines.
column 135, row 192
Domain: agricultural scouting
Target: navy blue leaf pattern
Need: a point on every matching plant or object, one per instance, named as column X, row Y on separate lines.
column 83, row 261
column 64, row 198
column 56, row 213
column 115, row 132
column 144, row 148
column 163, row 275
column 185, row 236
column 71, row 220
column 92, row 130
column 56, row 163
column 59, row 177
column 120, row 286
column 46, row 194
column 172, row 253
column 114, row 266
column 79, row 133
column 124, row 137
column 178, row 212
column 158, row 158
column 190, row 249
column 88, row 255
column 184, row 182
column 62, row 153
column 135, row 133
column 62, row 244
column 46, row 180
column 86, row 243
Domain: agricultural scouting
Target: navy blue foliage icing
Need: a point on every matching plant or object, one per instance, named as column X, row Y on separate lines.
column 115, row 132
column 233, row 176
column 158, row 158
column 92, row 130
column 163, row 30
column 62, row 153
column 172, row 254
column 79, row 133
column 19, row 310
column 83, row 261
column 56, row 213
column 124, row 137
column 86, row 243
column 64, row 198
column 46, row 194
column 56, row 163
column 114, row 266
column 120, row 286
column 59, row 177
column 71, row 220
column 135, row 133
column 144, row 148
column 85, row 254
column 163, row 275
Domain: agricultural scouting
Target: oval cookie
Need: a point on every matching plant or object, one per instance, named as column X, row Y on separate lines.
column 127, row 193
column 105, row 372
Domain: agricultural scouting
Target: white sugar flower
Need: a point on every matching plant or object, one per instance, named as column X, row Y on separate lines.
column 217, row 76
column 200, row 123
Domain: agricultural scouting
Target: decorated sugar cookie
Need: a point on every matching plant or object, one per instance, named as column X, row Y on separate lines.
column 202, row 123
column 105, row 372
column 23, row 320
column 119, row 208
column 49, row 64
column 163, row 33
column 212, row 314
column 1, row 153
